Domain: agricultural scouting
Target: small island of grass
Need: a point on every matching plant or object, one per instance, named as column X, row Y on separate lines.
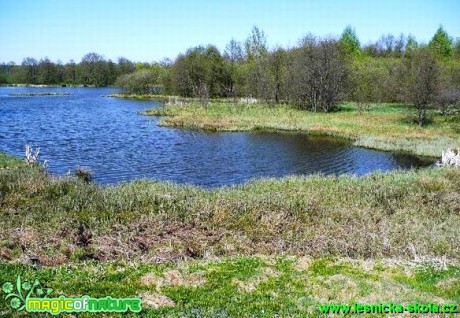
column 29, row 94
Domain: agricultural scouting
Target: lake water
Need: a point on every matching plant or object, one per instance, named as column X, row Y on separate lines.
column 108, row 136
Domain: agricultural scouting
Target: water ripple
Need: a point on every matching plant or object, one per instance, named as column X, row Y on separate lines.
column 108, row 136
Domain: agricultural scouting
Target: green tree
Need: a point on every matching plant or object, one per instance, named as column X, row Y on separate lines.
column 47, row 72
column 319, row 73
column 30, row 67
column 3, row 77
column 411, row 45
column 70, row 73
column 139, row 82
column 277, row 70
column 93, row 70
column 201, row 71
column 456, row 52
column 125, row 66
column 350, row 42
column 233, row 56
column 441, row 44
column 256, row 44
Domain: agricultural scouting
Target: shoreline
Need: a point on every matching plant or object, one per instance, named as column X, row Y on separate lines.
column 385, row 128
column 253, row 217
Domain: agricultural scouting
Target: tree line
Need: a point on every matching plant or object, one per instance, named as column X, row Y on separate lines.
column 93, row 69
column 317, row 74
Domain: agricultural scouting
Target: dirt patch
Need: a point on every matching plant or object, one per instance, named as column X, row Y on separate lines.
column 174, row 278
column 302, row 263
column 251, row 284
column 448, row 283
column 156, row 301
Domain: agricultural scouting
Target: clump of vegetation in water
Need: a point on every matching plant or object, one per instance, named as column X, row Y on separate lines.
column 84, row 174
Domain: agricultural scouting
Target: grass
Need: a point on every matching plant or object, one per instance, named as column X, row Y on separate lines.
column 400, row 214
column 385, row 126
column 247, row 286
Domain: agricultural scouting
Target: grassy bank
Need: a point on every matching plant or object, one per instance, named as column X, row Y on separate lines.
column 272, row 246
column 399, row 214
column 385, row 126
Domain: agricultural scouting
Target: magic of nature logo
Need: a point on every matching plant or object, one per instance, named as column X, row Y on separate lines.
column 33, row 297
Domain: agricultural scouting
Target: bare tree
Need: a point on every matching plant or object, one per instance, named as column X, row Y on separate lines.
column 422, row 79
column 320, row 72
column 447, row 99
column 277, row 63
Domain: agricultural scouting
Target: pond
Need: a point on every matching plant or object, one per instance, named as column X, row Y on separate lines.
column 109, row 137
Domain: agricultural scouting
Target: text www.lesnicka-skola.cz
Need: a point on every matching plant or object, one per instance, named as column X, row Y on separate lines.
column 389, row 308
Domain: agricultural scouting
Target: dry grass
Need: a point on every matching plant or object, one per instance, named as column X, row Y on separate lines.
column 154, row 300
column 413, row 215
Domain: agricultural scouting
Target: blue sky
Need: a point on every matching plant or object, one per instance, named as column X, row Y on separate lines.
column 144, row 30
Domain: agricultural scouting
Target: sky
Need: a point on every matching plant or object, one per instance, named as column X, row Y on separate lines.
column 150, row 30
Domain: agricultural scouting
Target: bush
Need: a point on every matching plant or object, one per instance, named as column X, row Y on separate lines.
column 139, row 82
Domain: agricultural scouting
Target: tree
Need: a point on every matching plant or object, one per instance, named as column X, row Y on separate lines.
column 456, row 49
column 30, row 66
column 447, row 99
column 277, row 69
column 181, row 83
column 349, row 41
column 201, row 70
column 93, row 70
column 411, row 45
column 110, row 72
column 386, row 45
column 319, row 74
column 422, row 79
column 441, row 44
column 70, row 72
column 125, row 66
column 3, row 74
column 233, row 56
column 400, row 44
column 256, row 44
column 47, row 72
column 139, row 82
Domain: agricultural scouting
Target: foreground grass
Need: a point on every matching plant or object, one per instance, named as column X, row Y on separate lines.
column 385, row 126
column 247, row 286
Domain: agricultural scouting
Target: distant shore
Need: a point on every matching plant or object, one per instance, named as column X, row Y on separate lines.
column 41, row 94
column 45, row 86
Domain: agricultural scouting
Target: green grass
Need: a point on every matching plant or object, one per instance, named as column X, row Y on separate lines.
column 247, row 286
column 385, row 126
column 10, row 162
